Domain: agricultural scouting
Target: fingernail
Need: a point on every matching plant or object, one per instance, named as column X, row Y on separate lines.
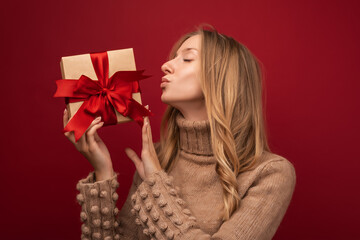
column 98, row 118
column 65, row 110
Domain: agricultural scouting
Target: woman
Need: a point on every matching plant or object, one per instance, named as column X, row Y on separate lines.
column 211, row 175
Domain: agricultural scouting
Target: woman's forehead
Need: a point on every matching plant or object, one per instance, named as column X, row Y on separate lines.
column 191, row 44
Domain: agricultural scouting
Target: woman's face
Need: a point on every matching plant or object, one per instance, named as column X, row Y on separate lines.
column 182, row 74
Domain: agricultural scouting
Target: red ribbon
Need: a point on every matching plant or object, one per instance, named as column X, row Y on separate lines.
column 103, row 96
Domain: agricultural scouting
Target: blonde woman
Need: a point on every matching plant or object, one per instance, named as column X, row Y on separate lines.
column 212, row 174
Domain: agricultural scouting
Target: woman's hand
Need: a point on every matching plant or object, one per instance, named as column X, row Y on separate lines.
column 149, row 161
column 93, row 148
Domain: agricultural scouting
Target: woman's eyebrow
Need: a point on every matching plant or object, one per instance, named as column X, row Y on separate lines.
column 187, row 49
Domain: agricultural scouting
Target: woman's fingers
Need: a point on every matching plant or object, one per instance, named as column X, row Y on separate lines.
column 83, row 143
column 151, row 144
column 97, row 138
column 149, row 130
column 91, row 133
column 137, row 161
column 144, row 136
column 133, row 156
column 149, row 134
column 65, row 117
column 69, row 135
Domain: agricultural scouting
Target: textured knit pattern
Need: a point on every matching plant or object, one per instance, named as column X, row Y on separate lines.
column 186, row 202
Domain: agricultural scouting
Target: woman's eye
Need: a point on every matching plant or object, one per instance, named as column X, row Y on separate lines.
column 187, row 60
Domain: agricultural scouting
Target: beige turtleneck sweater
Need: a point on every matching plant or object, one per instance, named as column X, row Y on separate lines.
column 186, row 202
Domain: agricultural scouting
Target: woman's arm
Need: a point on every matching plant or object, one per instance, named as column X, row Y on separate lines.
column 99, row 214
column 163, row 214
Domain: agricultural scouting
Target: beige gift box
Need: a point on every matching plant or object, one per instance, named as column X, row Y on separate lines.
column 72, row 67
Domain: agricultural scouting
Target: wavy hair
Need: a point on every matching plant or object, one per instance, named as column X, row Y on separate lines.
column 231, row 81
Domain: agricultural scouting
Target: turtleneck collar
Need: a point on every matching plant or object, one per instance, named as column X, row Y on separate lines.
column 194, row 136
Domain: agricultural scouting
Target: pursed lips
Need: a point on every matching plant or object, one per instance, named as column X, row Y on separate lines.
column 163, row 79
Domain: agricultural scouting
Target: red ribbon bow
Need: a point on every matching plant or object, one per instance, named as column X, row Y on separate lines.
column 103, row 96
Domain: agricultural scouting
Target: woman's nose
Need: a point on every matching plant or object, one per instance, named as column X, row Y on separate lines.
column 166, row 68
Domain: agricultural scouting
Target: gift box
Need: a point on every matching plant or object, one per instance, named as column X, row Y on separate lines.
column 101, row 84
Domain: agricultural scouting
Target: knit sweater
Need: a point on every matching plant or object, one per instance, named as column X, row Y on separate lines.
column 186, row 202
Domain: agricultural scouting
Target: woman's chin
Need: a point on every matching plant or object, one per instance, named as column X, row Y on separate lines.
column 164, row 97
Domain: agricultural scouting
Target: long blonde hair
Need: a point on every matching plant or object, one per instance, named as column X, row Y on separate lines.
column 232, row 74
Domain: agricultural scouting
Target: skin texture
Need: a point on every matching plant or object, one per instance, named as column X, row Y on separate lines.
column 92, row 148
column 182, row 92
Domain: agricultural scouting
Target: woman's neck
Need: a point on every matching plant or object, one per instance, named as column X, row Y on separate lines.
column 194, row 110
column 195, row 136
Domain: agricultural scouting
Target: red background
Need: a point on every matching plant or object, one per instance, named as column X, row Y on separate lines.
column 310, row 50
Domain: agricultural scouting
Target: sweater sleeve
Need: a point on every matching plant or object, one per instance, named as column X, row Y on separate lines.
column 101, row 219
column 163, row 214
